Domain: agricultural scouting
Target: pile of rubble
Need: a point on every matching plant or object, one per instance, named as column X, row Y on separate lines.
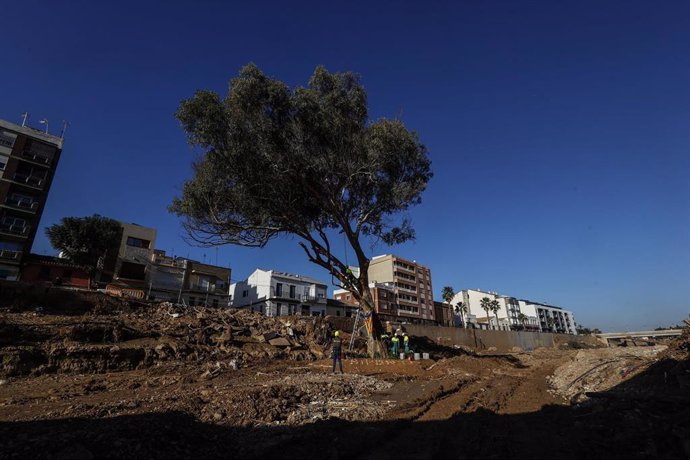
column 592, row 371
column 116, row 336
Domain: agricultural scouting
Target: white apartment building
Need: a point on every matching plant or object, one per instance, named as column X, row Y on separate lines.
column 550, row 318
column 511, row 311
column 276, row 293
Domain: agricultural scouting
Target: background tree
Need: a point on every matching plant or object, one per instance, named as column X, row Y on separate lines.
column 495, row 306
column 523, row 319
column 461, row 309
column 447, row 293
column 485, row 303
column 306, row 163
column 550, row 323
column 85, row 240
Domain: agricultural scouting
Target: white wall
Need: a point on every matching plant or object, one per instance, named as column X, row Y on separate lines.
column 262, row 294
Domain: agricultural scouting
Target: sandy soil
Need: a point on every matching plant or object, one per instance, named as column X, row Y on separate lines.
column 119, row 381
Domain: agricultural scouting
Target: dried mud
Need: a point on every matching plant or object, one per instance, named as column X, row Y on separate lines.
column 123, row 380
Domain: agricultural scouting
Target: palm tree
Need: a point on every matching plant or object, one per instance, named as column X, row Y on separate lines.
column 549, row 322
column 485, row 303
column 495, row 306
column 461, row 309
column 447, row 294
column 523, row 319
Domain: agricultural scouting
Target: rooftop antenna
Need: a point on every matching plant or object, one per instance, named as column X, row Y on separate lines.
column 65, row 124
column 24, row 116
column 45, row 122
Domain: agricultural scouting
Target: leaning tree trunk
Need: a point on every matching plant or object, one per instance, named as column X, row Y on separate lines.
column 374, row 346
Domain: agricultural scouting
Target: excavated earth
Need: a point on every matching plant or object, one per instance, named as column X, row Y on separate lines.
column 114, row 379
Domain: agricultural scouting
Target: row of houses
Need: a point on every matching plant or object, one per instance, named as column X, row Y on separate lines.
column 140, row 270
column 512, row 313
column 402, row 291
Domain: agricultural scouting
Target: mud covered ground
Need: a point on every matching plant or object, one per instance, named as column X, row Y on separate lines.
column 118, row 380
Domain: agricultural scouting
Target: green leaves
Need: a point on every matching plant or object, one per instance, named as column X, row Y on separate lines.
column 299, row 162
column 447, row 293
column 282, row 161
column 83, row 240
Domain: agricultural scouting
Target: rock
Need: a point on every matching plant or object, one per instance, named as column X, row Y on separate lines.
column 268, row 336
column 280, row 342
column 217, row 416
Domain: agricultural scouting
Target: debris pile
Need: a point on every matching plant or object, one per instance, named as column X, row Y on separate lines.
column 594, row 370
column 114, row 336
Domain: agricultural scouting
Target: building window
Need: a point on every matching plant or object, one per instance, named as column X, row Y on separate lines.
column 347, row 297
column 279, row 289
column 292, row 292
column 138, row 242
column 245, row 293
column 3, row 161
column 7, row 139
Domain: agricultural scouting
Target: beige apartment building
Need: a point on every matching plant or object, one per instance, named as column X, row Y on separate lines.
column 400, row 288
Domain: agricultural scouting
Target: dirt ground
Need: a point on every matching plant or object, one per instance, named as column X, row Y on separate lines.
column 112, row 379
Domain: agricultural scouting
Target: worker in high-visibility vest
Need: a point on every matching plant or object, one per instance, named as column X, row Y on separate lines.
column 406, row 341
column 396, row 344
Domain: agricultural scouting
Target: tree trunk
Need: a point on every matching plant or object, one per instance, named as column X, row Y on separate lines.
column 366, row 302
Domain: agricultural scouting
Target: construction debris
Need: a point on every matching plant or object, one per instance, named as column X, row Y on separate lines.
column 105, row 378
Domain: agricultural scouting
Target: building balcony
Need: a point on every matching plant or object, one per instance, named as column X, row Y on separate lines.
column 30, row 180
column 14, row 229
column 22, row 205
column 7, row 254
column 36, row 157
column 312, row 299
column 137, row 255
column 408, row 270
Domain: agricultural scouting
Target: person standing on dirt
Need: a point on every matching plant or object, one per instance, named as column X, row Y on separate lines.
column 396, row 345
column 385, row 338
column 337, row 352
column 406, row 342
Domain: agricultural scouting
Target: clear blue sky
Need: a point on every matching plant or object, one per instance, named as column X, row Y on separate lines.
column 559, row 131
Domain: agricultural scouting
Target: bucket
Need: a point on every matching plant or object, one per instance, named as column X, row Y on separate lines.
column 402, row 355
column 416, row 357
column 425, row 355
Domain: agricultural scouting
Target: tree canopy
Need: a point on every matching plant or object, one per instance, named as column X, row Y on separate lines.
column 447, row 294
column 305, row 162
column 84, row 240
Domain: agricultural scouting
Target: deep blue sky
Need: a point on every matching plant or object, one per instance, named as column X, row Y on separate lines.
column 559, row 131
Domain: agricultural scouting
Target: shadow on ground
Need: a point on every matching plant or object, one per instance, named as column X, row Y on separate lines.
column 647, row 417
